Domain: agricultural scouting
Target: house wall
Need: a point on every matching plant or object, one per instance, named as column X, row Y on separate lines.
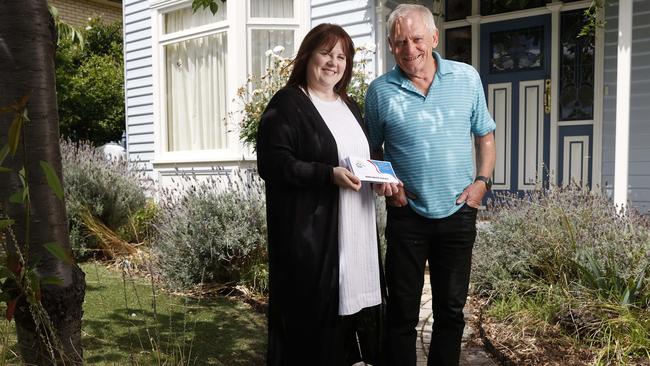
column 357, row 17
column 639, row 153
column 77, row 12
column 138, row 84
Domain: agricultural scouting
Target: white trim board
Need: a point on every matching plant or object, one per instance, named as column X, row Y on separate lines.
column 575, row 160
column 531, row 134
column 500, row 107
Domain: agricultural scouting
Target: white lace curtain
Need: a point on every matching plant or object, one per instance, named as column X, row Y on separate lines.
column 182, row 19
column 196, row 93
column 271, row 8
column 263, row 40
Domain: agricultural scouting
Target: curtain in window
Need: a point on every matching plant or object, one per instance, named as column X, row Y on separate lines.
column 263, row 40
column 182, row 19
column 196, row 93
column 271, row 8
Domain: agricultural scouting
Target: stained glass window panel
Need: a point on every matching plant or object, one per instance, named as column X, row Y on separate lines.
column 576, row 69
column 458, row 44
column 517, row 50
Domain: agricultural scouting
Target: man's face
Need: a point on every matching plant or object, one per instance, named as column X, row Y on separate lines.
column 411, row 44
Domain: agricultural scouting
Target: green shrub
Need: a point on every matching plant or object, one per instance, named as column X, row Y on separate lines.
column 555, row 236
column 108, row 189
column 90, row 85
column 141, row 224
column 589, row 261
column 257, row 278
column 211, row 231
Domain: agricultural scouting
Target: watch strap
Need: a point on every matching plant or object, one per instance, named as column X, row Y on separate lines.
column 484, row 179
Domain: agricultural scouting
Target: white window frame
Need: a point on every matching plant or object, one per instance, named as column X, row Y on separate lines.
column 237, row 26
column 299, row 24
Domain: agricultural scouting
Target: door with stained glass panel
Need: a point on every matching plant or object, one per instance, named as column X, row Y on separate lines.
column 515, row 67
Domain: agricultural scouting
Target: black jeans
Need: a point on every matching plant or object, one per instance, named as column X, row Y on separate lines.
column 447, row 244
column 359, row 337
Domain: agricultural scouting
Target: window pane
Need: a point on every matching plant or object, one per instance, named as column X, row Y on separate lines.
column 271, row 8
column 576, row 68
column 457, row 9
column 196, row 93
column 499, row 6
column 458, row 44
column 182, row 19
column 267, row 39
column 517, row 50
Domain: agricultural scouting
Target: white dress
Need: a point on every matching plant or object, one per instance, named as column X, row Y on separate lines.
column 358, row 253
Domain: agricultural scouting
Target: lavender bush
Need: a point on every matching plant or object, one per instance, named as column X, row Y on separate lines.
column 108, row 189
column 560, row 236
column 212, row 231
column 571, row 257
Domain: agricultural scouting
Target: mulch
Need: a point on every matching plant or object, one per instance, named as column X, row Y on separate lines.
column 535, row 345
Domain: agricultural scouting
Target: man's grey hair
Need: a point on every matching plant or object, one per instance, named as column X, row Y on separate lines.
column 402, row 10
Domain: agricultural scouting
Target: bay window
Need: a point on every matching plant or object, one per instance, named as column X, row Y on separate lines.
column 201, row 59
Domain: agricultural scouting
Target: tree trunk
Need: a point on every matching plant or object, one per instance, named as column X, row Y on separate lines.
column 27, row 46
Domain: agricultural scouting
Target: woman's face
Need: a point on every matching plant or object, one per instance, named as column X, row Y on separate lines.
column 325, row 67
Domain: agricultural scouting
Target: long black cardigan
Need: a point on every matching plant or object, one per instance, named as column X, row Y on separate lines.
column 295, row 156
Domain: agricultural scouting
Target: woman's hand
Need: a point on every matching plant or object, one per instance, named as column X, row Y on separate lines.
column 345, row 179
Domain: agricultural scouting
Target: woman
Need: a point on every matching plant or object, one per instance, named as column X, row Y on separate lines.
column 323, row 254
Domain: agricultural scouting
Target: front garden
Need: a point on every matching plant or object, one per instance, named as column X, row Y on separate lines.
column 178, row 275
column 128, row 320
column 566, row 279
column 561, row 273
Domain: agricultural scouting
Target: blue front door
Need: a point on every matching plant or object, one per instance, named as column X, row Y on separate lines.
column 515, row 63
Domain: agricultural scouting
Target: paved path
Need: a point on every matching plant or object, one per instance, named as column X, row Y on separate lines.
column 472, row 354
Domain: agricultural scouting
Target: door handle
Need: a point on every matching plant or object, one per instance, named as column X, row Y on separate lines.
column 547, row 96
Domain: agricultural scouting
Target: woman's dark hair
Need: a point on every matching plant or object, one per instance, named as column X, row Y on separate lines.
column 323, row 36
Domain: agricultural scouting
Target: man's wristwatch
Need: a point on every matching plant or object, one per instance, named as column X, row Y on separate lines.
column 484, row 179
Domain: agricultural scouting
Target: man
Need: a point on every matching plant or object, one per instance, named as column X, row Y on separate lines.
column 425, row 112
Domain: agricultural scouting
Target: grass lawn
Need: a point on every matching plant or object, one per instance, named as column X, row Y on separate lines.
column 122, row 325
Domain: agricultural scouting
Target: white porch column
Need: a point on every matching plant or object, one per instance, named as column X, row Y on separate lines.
column 623, row 72
column 555, row 8
column 380, row 50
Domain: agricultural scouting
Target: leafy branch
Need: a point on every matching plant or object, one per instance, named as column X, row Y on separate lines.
column 593, row 21
column 213, row 5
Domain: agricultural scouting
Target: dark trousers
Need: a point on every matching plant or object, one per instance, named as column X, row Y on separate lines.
column 447, row 244
column 359, row 337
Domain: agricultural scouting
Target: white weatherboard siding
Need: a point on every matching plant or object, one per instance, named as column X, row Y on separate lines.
column 639, row 140
column 357, row 17
column 138, row 83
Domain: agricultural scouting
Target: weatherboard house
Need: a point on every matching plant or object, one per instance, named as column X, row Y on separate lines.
column 569, row 109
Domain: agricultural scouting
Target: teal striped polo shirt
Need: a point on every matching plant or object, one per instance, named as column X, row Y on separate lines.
column 428, row 138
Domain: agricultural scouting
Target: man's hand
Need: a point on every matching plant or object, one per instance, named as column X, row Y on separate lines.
column 400, row 198
column 485, row 157
column 345, row 179
column 386, row 189
column 473, row 194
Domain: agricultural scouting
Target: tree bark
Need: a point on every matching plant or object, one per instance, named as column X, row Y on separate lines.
column 27, row 46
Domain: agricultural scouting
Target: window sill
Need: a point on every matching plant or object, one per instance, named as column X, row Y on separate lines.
column 207, row 157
